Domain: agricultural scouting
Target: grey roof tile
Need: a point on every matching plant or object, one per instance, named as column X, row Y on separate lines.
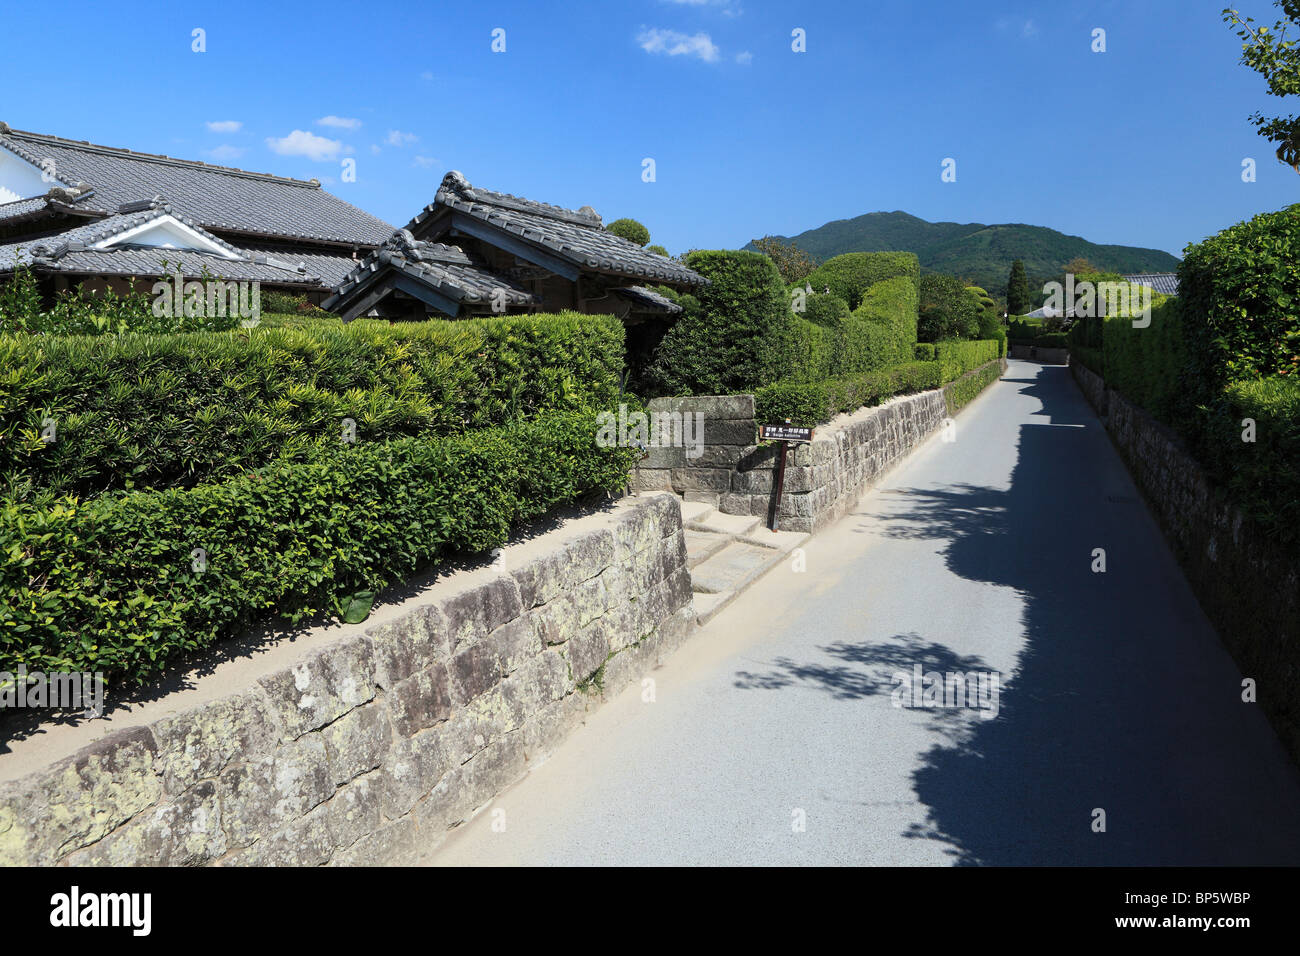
column 218, row 197
column 575, row 235
column 445, row 269
column 1166, row 283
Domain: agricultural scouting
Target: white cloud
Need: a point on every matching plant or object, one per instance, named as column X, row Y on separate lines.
column 225, row 152
column 396, row 137
column 225, row 126
column 744, row 58
column 678, row 44
column 426, row 162
column 374, row 148
column 302, row 143
column 426, row 75
column 339, row 122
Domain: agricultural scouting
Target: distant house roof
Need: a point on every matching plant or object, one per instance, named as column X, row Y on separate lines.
column 576, row 237
column 106, row 247
column 1166, row 283
column 98, row 179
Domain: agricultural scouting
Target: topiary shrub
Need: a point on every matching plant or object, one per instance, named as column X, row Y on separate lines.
column 828, row 311
column 741, row 336
column 1240, row 297
column 947, row 310
column 629, row 229
column 882, row 329
column 850, row 275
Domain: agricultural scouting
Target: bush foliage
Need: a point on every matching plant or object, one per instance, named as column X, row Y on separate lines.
column 111, row 584
column 849, row 276
column 153, row 411
column 739, row 336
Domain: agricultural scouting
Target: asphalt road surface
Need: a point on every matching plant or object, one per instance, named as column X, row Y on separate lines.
column 777, row 736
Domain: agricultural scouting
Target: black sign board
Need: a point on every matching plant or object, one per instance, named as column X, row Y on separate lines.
column 784, row 433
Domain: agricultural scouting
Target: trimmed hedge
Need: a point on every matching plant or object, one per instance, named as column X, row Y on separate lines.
column 964, row 390
column 1262, row 476
column 811, row 403
column 156, row 411
column 109, row 584
column 1048, row 340
column 1240, row 298
column 1146, row 364
column 849, row 276
column 741, row 335
column 923, row 351
column 882, row 332
column 958, row 357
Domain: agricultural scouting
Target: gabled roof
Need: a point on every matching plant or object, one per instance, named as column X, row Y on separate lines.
column 87, row 250
column 575, row 236
column 448, row 276
column 217, row 197
column 1166, row 283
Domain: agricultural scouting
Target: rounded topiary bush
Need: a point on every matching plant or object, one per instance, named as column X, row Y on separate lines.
column 738, row 337
column 629, row 229
column 849, row 276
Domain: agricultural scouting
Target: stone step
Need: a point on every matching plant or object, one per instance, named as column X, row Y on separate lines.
column 707, row 605
column 732, row 568
column 695, row 511
column 782, row 541
column 719, row 523
column 702, row 545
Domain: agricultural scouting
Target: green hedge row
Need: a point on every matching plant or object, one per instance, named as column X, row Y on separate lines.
column 111, row 584
column 960, row 393
column 811, row 403
column 1263, row 475
column 155, row 411
column 1146, row 364
column 958, row 356
column 1045, row 340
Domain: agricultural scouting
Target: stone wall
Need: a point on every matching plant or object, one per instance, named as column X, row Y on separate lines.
column 1247, row 585
column 376, row 741
column 822, row 479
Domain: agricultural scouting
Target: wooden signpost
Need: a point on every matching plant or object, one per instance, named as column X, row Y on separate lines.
column 787, row 435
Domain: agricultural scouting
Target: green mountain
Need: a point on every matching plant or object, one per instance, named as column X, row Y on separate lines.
column 973, row 250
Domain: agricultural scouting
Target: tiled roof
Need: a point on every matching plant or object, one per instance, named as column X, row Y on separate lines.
column 574, row 235
column 647, row 300
column 23, row 209
column 1166, row 283
column 331, row 269
column 218, row 197
column 444, row 269
column 71, row 252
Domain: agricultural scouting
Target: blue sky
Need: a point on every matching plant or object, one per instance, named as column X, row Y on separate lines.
column 1139, row 145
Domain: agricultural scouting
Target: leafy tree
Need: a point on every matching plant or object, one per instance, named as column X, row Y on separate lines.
column 1079, row 266
column 1018, row 289
column 629, row 229
column 658, row 250
column 1267, row 51
column 792, row 262
column 947, row 310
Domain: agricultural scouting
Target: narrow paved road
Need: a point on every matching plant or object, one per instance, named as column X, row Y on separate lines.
column 972, row 556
